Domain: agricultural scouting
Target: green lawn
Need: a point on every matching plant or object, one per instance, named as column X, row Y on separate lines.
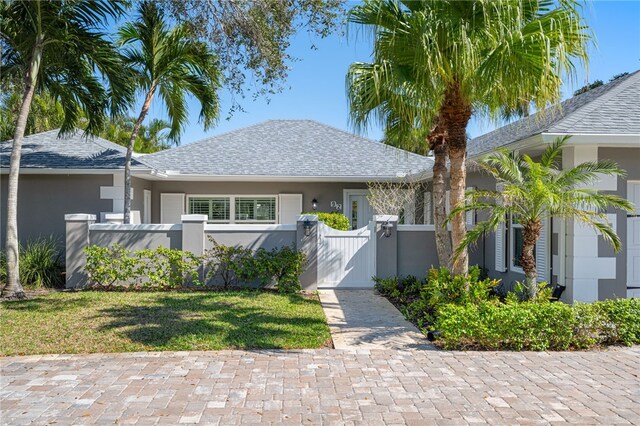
column 84, row 322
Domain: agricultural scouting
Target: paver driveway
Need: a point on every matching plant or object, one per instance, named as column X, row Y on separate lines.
column 323, row 386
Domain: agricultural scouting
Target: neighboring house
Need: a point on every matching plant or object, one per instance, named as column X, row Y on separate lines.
column 267, row 173
column 604, row 123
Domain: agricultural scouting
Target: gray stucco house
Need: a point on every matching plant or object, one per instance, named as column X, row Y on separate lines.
column 263, row 174
column 271, row 172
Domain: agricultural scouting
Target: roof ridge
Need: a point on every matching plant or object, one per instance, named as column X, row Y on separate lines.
column 606, row 90
column 207, row 139
column 540, row 115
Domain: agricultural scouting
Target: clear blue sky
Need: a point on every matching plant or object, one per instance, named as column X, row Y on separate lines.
column 315, row 88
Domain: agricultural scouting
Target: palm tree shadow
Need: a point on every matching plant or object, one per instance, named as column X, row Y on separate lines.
column 204, row 322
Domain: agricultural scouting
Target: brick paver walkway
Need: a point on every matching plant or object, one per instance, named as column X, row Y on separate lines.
column 323, row 386
column 362, row 319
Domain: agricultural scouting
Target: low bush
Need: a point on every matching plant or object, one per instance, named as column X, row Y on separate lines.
column 163, row 269
column 283, row 266
column 159, row 268
column 420, row 300
column 494, row 325
column 41, row 263
column 280, row 266
column 230, row 264
column 333, row 220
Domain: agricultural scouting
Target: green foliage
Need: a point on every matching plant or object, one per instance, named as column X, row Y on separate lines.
column 158, row 268
column 41, row 263
column 280, row 266
column 284, row 265
column 520, row 293
column 539, row 325
column 231, row 264
column 420, row 301
column 335, row 220
column 587, row 87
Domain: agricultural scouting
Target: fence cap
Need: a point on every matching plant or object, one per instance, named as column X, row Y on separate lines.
column 79, row 217
column 385, row 218
column 309, row 217
column 194, row 218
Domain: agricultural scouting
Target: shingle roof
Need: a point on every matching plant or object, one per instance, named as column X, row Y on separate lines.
column 47, row 151
column 289, row 148
column 613, row 108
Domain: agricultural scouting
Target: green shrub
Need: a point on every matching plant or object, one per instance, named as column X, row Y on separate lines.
column 624, row 318
column 333, row 220
column 283, row 266
column 231, row 264
column 539, row 326
column 419, row 300
column 41, row 263
column 159, row 268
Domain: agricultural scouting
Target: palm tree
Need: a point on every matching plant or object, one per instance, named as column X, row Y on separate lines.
column 170, row 62
column 55, row 46
column 386, row 92
column 476, row 56
column 535, row 191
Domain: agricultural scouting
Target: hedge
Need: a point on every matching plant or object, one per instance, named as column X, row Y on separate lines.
column 539, row 326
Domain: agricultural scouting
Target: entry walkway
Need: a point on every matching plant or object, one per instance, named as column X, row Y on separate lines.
column 361, row 319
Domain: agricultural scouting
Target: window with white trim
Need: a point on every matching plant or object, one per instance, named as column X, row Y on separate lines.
column 216, row 209
column 255, row 209
column 234, row 209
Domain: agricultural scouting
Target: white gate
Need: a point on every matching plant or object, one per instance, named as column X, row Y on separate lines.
column 346, row 259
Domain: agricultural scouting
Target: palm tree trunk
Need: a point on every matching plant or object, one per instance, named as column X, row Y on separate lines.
column 13, row 288
column 127, row 162
column 443, row 239
column 455, row 114
column 530, row 234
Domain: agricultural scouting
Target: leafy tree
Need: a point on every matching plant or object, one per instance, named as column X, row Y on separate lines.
column 254, row 36
column 46, row 113
column 169, row 62
column 57, row 46
column 535, row 191
column 478, row 56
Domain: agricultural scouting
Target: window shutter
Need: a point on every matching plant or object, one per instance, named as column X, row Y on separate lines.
column 290, row 207
column 542, row 253
column 470, row 215
column 428, row 214
column 171, row 208
column 500, row 243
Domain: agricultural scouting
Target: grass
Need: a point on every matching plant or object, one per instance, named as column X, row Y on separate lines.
column 89, row 322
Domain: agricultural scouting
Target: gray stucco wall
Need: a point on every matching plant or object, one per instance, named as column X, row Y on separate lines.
column 416, row 252
column 139, row 185
column 252, row 240
column 43, row 200
column 137, row 240
column 324, row 192
column 629, row 160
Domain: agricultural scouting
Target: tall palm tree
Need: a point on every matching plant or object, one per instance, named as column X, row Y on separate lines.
column 535, row 191
column 477, row 56
column 170, row 62
column 387, row 92
column 56, row 46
